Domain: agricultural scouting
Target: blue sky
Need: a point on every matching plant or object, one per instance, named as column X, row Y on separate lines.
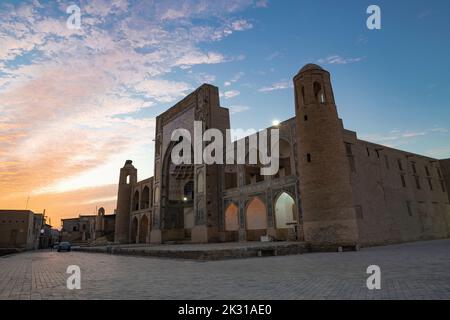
column 390, row 85
column 81, row 102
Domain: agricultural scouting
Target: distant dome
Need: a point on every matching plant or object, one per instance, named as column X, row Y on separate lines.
column 310, row 66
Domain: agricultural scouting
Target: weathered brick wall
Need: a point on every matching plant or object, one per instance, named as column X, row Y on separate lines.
column 392, row 211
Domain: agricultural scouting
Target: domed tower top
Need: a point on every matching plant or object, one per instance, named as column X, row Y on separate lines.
column 313, row 86
column 128, row 174
column 310, row 66
column 129, row 163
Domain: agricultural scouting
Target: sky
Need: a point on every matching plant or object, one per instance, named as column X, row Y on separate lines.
column 76, row 103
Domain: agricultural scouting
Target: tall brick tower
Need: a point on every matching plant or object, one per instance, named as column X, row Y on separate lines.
column 329, row 218
column 128, row 177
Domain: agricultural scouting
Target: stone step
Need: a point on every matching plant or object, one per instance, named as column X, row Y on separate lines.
column 206, row 252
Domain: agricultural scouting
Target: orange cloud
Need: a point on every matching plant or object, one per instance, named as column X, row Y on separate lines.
column 71, row 102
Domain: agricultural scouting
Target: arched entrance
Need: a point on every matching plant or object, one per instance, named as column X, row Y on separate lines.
column 284, row 215
column 177, row 198
column 145, row 198
column 134, row 230
column 136, row 201
column 231, row 218
column 143, row 230
column 256, row 219
column 232, row 223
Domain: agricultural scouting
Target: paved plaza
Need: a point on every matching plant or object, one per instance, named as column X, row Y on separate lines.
column 408, row 271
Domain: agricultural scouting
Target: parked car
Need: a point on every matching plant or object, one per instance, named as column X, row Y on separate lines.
column 64, row 246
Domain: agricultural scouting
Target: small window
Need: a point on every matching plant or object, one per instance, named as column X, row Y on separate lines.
column 414, row 169
column 128, row 179
column 408, row 207
column 443, row 186
column 230, row 180
column 427, row 170
column 386, row 160
column 306, row 118
column 308, row 157
column 318, row 91
column 368, row 151
column 417, row 182
column 322, row 98
column 359, row 212
column 430, row 184
column 351, row 160
column 378, row 153
column 400, row 165
column 403, row 180
column 348, row 148
column 439, row 173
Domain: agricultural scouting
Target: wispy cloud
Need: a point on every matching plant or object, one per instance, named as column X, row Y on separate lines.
column 424, row 14
column 72, row 100
column 396, row 138
column 231, row 94
column 238, row 109
column 336, row 59
column 274, row 55
column 276, row 86
column 241, row 25
column 234, row 79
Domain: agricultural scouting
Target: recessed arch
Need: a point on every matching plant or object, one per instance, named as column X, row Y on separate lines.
column 232, row 218
column 145, row 198
column 284, row 211
column 143, row 229
column 253, row 167
column 256, row 219
column 188, row 190
column 176, row 205
column 256, row 215
column 285, row 158
column 136, row 201
column 318, row 92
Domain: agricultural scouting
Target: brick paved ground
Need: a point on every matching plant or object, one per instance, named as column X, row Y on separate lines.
column 409, row 271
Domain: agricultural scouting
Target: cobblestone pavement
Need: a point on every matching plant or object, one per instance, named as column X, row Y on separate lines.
column 409, row 271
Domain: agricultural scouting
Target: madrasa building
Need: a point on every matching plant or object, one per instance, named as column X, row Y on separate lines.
column 332, row 190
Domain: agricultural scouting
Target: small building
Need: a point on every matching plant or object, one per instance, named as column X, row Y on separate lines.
column 20, row 229
column 87, row 228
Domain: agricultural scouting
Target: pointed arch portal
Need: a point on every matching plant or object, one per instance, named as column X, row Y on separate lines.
column 256, row 219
